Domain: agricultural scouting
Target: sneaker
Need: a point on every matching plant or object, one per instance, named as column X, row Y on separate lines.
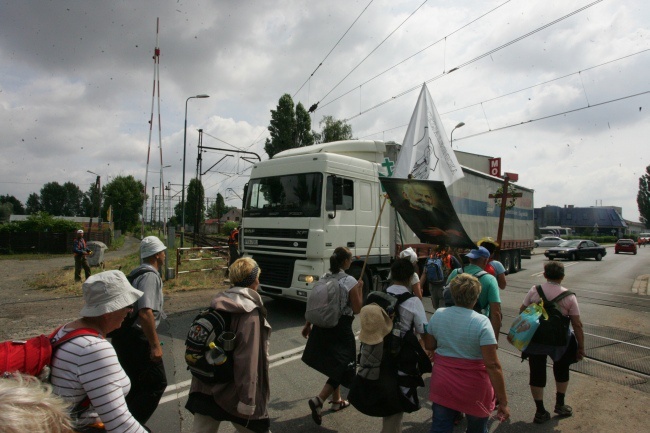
column 563, row 410
column 541, row 417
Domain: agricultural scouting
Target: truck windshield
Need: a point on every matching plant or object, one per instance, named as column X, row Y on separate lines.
column 281, row 196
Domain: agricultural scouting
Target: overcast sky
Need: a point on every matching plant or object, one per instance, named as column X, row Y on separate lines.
column 76, row 81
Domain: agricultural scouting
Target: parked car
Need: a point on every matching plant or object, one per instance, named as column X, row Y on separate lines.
column 625, row 246
column 576, row 250
column 548, row 241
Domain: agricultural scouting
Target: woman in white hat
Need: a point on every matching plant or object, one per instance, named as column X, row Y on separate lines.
column 85, row 370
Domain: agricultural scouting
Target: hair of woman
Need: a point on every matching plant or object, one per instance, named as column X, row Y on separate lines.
column 465, row 289
column 244, row 271
column 340, row 255
column 28, row 405
column 401, row 270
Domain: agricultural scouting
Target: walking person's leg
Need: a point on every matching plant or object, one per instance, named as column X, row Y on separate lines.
column 205, row 424
column 561, row 374
column 537, row 382
column 392, row 423
column 86, row 266
column 77, row 268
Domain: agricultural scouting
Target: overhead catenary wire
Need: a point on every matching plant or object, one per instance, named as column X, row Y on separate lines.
column 371, row 52
column 416, row 53
column 475, row 59
column 332, row 49
column 519, row 90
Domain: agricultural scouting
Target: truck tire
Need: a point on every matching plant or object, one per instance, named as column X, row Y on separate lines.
column 516, row 261
column 506, row 260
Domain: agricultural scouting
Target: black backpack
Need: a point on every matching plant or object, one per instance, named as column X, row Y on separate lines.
column 205, row 354
column 553, row 331
column 130, row 319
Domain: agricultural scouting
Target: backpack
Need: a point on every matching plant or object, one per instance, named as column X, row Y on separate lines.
column 33, row 356
column 325, row 302
column 390, row 303
column 553, row 331
column 207, row 355
column 435, row 271
column 130, row 319
column 446, row 293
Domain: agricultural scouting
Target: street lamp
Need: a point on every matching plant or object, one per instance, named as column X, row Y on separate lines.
column 451, row 140
column 99, row 207
column 184, row 152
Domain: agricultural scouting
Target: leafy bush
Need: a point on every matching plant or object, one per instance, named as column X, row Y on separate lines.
column 40, row 222
column 227, row 227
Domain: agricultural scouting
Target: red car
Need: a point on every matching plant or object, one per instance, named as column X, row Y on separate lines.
column 625, row 246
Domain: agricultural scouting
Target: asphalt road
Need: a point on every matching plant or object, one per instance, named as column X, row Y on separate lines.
column 607, row 304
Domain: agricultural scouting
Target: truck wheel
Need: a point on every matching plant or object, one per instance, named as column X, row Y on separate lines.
column 516, row 261
column 506, row 260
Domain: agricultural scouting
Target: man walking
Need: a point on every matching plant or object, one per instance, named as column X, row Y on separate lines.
column 80, row 252
column 137, row 344
column 489, row 301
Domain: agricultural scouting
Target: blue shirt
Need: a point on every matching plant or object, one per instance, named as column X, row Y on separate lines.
column 460, row 332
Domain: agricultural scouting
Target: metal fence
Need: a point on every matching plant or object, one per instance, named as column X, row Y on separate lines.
column 44, row 242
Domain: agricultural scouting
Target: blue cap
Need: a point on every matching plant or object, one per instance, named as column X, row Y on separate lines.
column 479, row 253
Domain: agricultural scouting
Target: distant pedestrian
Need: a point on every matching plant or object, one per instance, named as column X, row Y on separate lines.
column 332, row 351
column 562, row 357
column 414, row 285
column 137, row 345
column 233, row 246
column 80, row 252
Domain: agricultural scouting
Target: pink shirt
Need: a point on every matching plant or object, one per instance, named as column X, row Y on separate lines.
column 568, row 306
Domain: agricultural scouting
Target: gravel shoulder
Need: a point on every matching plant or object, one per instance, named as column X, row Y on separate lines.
column 26, row 312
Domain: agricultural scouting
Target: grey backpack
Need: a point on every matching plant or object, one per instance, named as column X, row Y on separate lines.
column 326, row 302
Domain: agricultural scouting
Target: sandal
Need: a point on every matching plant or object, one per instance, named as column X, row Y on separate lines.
column 316, row 404
column 541, row 417
column 563, row 410
column 339, row 405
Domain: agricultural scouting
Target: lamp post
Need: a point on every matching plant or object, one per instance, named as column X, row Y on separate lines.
column 451, row 140
column 184, row 152
column 99, row 206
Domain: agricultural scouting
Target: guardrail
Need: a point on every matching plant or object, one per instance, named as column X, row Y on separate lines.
column 195, row 254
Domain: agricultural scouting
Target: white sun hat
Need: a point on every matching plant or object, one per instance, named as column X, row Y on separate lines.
column 151, row 245
column 107, row 292
column 408, row 253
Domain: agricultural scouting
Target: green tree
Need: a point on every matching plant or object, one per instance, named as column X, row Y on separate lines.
column 643, row 197
column 6, row 209
column 289, row 128
column 53, row 199
column 218, row 208
column 33, row 204
column 126, row 195
column 73, row 200
column 17, row 206
column 195, row 204
column 333, row 130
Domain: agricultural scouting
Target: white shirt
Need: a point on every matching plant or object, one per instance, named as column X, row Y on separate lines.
column 411, row 312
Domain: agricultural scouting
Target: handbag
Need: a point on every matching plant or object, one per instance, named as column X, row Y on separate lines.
column 525, row 325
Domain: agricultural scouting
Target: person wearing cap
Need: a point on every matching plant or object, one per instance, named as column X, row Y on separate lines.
column 85, row 370
column 244, row 401
column 494, row 267
column 80, row 252
column 489, row 301
column 414, row 283
column 138, row 346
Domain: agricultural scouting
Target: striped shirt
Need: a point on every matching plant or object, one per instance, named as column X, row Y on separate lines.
column 88, row 366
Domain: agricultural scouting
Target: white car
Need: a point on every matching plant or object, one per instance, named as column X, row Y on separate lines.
column 548, row 241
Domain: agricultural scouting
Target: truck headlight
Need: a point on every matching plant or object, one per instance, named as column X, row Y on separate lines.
column 307, row 278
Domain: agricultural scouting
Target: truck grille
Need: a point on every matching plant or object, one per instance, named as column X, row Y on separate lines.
column 277, row 271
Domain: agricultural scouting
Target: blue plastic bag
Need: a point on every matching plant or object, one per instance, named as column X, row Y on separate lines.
column 525, row 326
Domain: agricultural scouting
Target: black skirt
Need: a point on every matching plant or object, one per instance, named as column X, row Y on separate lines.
column 205, row 405
column 333, row 351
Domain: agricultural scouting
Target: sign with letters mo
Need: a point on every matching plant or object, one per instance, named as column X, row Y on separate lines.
column 495, row 167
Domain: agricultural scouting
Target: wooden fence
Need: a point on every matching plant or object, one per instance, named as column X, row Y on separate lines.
column 45, row 242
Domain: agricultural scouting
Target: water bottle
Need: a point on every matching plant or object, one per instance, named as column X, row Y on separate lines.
column 216, row 355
